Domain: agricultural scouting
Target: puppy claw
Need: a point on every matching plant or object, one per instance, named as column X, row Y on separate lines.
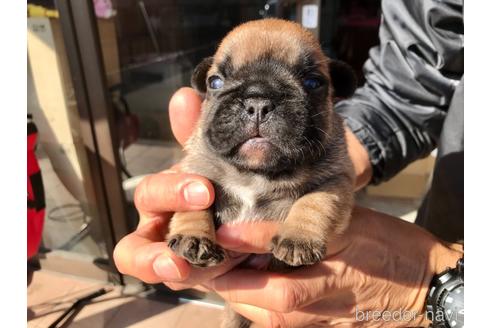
column 297, row 251
column 199, row 251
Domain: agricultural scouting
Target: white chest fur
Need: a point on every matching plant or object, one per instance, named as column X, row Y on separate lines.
column 250, row 193
column 247, row 193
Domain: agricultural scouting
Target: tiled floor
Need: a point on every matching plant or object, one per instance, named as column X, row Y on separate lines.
column 50, row 294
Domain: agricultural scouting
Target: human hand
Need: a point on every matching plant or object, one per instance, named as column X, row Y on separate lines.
column 360, row 159
column 376, row 275
column 144, row 253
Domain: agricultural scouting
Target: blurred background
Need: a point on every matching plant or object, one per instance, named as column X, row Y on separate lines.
column 100, row 77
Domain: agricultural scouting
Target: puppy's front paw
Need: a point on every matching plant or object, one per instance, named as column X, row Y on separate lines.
column 199, row 251
column 297, row 251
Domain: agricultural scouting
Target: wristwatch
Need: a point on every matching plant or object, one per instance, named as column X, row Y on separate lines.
column 445, row 301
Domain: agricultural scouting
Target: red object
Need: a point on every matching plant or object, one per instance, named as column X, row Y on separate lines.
column 35, row 194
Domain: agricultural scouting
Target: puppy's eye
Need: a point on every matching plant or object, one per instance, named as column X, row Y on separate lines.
column 311, row 83
column 215, row 82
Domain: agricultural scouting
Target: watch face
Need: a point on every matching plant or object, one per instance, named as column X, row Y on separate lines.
column 454, row 307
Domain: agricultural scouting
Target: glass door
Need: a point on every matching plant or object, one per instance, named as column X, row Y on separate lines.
column 76, row 149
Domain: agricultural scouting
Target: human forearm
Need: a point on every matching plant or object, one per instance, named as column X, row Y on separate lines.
column 410, row 79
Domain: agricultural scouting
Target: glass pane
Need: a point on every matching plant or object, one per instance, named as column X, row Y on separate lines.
column 72, row 236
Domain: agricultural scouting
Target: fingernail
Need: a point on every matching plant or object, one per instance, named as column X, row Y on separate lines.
column 165, row 268
column 196, row 194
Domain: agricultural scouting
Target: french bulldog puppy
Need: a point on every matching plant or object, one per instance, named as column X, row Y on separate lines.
column 272, row 145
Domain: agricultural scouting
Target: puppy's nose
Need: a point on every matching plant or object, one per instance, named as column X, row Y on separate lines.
column 258, row 108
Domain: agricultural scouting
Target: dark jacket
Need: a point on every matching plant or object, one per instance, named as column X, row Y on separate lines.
column 412, row 102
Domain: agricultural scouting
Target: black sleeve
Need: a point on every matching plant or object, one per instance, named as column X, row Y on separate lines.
column 410, row 79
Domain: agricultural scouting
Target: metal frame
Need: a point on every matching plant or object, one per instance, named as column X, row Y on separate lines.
column 81, row 38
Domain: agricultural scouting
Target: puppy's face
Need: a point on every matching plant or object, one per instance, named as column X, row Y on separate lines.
column 268, row 96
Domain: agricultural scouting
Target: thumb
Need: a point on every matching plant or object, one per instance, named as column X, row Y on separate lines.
column 172, row 192
column 184, row 111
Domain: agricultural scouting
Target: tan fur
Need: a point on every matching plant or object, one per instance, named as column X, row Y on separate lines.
column 249, row 41
column 320, row 214
column 197, row 223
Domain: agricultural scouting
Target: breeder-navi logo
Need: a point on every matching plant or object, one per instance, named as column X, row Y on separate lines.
column 407, row 316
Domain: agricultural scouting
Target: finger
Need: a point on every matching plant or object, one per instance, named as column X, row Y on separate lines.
column 247, row 237
column 311, row 316
column 199, row 276
column 135, row 254
column 184, row 111
column 266, row 318
column 273, row 291
column 259, row 316
column 172, row 192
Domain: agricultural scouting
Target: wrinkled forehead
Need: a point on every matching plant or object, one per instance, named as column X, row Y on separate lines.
column 284, row 42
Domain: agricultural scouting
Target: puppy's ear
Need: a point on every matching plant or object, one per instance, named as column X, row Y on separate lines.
column 199, row 76
column 343, row 79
